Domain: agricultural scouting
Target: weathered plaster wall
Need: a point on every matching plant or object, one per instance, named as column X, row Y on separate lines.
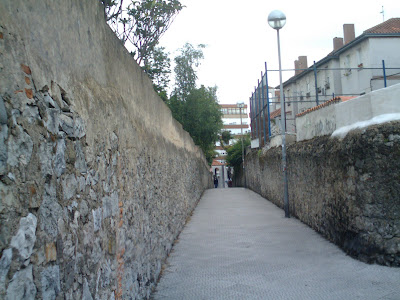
column 326, row 120
column 316, row 123
column 348, row 190
column 96, row 177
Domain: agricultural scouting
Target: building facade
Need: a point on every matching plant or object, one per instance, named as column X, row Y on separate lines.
column 356, row 66
column 235, row 123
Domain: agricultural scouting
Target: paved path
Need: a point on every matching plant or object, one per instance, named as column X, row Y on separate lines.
column 238, row 245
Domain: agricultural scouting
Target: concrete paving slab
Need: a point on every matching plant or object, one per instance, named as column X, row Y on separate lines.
column 238, row 245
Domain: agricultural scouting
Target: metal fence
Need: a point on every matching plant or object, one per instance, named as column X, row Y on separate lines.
column 265, row 117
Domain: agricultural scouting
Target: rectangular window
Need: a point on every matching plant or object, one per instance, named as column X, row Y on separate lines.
column 347, row 62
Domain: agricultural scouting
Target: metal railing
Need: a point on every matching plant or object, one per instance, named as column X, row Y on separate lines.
column 261, row 103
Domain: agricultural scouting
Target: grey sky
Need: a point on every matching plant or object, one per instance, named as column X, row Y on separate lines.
column 239, row 39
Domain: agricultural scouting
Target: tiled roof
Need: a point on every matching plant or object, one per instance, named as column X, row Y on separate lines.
column 277, row 113
column 217, row 163
column 327, row 103
column 389, row 26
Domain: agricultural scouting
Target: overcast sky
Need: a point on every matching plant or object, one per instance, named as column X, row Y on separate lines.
column 239, row 39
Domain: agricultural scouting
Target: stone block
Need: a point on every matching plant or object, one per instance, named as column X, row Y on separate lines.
column 70, row 186
column 20, row 147
column 3, row 148
column 80, row 162
column 59, row 158
column 97, row 217
column 50, row 280
column 50, row 212
column 3, row 112
column 53, row 120
column 50, row 252
column 21, row 286
column 67, row 125
column 46, row 158
column 25, row 238
column 5, row 263
column 110, row 205
column 86, row 295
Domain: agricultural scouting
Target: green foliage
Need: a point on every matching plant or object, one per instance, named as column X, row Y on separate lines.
column 141, row 23
column 234, row 153
column 112, row 9
column 199, row 115
column 197, row 109
column 225, row 137
column 185, row 69
column 158, row 68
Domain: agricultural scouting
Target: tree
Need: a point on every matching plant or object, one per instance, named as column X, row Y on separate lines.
column 224, row 139
column 141, row 23
column 158, row 68
column 234, row 153
column 196, row 109
column 185, row 69
column 200, row 116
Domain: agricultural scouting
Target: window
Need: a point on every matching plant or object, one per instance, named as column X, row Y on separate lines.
column 347, row 65
column 347, row 61
column 359, row 58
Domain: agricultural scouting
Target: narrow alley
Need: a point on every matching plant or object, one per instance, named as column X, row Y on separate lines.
column 237, row 245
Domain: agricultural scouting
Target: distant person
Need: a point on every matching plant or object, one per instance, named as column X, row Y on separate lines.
column 215, row 181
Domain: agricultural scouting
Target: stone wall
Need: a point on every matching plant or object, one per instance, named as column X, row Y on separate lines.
column 348, row 190
column 96, row 177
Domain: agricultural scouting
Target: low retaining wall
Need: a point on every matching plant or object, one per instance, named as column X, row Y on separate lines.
column 348, row 190
column 325, row 120
column 96, row 177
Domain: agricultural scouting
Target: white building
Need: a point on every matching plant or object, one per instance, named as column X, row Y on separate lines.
column 353, row 68
column 233, row 122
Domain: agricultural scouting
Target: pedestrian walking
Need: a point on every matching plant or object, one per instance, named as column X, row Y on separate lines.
column 215, row 181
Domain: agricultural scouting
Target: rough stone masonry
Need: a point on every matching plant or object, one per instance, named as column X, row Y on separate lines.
column 96, row 177
column 348, row 190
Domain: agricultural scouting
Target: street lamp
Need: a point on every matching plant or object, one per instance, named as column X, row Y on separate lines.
column 241, row 105
column 277, row 19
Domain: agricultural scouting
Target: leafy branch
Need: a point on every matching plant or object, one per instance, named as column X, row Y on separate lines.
column 141, row 23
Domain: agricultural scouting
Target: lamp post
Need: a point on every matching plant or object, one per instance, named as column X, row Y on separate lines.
column 241, row 105
column 277, row 19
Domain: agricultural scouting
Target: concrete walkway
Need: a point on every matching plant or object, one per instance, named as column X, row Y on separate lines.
column 238, row 245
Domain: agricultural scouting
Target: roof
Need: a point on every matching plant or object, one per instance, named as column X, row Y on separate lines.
column 217, row 163
column 327, row 103
column 277, row 113
column 389, row 26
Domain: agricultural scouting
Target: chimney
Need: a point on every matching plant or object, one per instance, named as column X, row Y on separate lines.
column 302, row 63
column 348, row 33
column 337, row 43
column 296, row 67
